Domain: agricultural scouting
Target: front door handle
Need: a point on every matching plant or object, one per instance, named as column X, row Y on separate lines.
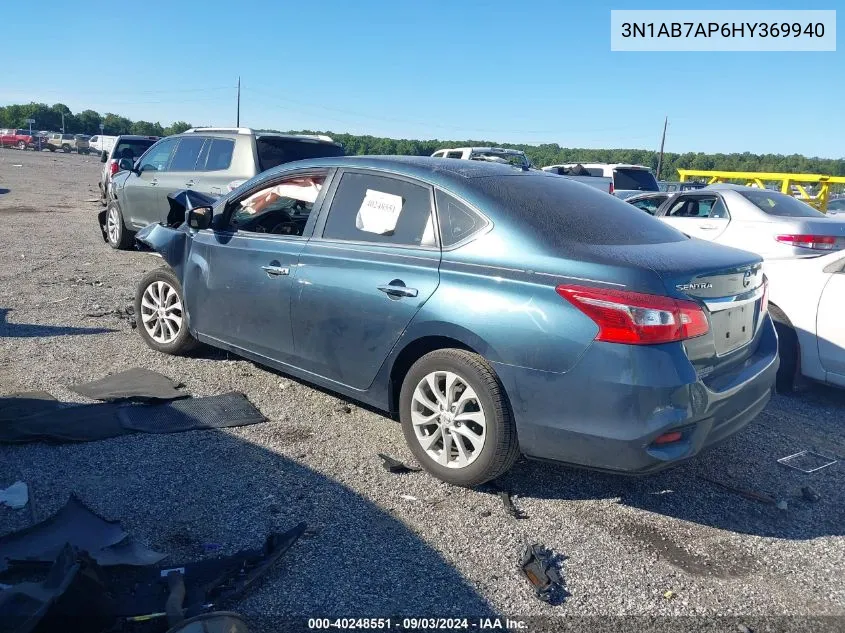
column 154, row 182
column 190, row 183
column 708, row 227
column 276, row 271
column 398, row 291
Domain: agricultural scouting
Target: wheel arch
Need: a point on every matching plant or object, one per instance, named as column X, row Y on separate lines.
column 417, row 347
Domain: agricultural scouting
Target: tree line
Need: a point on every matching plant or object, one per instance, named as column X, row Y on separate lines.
column 88, row 122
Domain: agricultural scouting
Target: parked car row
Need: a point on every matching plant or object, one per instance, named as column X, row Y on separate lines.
column 493, row 308
column 53, row 141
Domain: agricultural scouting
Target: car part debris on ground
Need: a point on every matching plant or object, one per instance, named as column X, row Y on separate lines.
column 79, row 594
column 505, row 497
column 15, row 496
column 540, row 567
column 396, row 467
column 807, row 461
column 137, row 400
column 810, row 495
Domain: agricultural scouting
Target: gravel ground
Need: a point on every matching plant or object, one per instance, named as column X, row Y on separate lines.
column 625, row 541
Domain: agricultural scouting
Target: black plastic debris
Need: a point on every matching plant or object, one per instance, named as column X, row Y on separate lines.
column 396, row 467
column 810, row 495
column 133, row 384
column 79, row 526
column 26, row 403
column 213, row 412
column 540, row 568
column 505, row 497
column 216, row 622
column 31, row 420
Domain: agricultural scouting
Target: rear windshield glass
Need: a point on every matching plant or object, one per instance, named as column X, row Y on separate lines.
column 273, row 151
column 517, row 160
column 131, row 149
column 775, row 203
column 558, row 212
column 636, row 179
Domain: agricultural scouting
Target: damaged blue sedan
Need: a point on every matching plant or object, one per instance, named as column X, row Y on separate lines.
column 494, row 311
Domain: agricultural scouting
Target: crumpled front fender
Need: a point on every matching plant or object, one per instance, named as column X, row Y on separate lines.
column 170, row 243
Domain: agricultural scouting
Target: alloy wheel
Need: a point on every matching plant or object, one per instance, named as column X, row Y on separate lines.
column 448, row 419
column 113, row 226
column 161, row 312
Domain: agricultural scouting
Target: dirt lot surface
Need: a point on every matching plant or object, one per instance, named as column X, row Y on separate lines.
column 623, row 542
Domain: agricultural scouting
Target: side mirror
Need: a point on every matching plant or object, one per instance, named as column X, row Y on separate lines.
column 126, row 164
column 104, row 157
column 199, row 218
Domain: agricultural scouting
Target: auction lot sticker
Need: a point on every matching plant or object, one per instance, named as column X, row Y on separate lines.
column 379, row 212
column 722, row 30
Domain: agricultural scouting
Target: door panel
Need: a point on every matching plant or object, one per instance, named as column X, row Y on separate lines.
column 344, row 326
column 238, row 290
column 698, row 216
column 829, row 325
column 141, row 198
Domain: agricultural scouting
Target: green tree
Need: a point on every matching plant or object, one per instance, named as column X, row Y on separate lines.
column 177, row 128
column 145, row 128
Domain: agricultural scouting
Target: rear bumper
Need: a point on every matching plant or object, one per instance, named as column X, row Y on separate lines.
column 607, row 411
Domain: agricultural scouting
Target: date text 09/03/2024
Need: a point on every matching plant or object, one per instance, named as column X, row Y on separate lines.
column 416, row 624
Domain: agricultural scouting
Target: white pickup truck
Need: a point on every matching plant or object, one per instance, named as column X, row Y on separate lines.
column 517, row 158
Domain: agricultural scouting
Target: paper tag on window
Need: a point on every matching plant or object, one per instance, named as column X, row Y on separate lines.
column 379, row 212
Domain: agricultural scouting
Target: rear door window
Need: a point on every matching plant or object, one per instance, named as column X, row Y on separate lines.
column 131, row 148
column 187, row 153
column 649, row 205
column 381, row 209
column 276, row 150
column 217, row 154
column 454, row 154
column 636, row 179
column 774, row 203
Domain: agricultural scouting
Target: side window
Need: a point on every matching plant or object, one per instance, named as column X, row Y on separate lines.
column 457, row 221
column 439, row 154
column 454, row 154
column 185, row 158
column 218, row 154
column 93, row 139
column 380, row 209
column 282, row 208
column 158, row 156
column 649, row 205
column 691, row 207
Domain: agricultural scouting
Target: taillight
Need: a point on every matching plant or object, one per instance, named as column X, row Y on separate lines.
column 636, row 318
column 818, row 242
column 611, row 188
column 113, row 167
column 764, row 302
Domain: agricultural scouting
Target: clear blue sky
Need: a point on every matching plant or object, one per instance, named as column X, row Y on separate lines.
column 539, row 71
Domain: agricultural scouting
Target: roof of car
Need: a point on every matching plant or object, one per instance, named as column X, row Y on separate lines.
column 730, row 186
column 426, row 166
column 497, row 150
column 137, row 137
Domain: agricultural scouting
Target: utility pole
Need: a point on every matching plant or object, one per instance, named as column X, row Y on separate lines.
column 238, row 120
column 662, row 141
column 63, row 122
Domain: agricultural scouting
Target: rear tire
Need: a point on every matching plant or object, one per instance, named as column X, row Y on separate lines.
column 21, row 145
column 117, row 235
column 788, row 350
column 466, row 409
column 66, row 149
column 159, row 310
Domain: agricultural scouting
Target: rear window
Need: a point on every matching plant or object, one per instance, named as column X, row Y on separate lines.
column 67, row 137
column 131, row 149
column 636, row 179
column 274, row 151
column 559, row 213
column 774, row 203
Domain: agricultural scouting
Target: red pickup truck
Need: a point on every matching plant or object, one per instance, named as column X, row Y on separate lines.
column 20, row 139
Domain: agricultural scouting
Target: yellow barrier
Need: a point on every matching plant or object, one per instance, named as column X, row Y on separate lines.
column 786, row 181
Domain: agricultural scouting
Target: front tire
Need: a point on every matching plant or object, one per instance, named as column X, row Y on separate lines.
column 159, row 309
column 456, row 418
column 66, row 149
column 21, row 145
column 117, row 235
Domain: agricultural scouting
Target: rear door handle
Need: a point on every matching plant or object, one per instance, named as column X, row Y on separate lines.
column 190, row 183
column 708, row 227
column 154, row 182
column 276, row 271
column 398, row 291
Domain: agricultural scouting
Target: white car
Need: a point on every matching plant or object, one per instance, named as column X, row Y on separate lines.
column 807, row 304
column 628, row 180
column 101, row 143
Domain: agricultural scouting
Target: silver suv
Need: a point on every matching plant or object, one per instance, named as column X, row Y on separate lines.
column 212, row 161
